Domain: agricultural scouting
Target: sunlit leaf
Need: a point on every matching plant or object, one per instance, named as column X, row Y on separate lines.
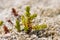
column 1, row 23
column 33, row 16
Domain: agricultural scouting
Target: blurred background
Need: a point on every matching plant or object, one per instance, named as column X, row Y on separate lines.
column 40, row 3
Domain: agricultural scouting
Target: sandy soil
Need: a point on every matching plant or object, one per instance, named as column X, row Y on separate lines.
column 48, row 11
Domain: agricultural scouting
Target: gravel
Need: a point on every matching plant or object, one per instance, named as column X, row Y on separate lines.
column 48, row 12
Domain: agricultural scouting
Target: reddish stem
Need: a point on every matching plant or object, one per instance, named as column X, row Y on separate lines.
column 6, row 29
column 9, row 21
column 14, row 12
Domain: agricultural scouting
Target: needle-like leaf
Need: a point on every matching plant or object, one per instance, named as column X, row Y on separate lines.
column 1, row 23
column 40, row 27
column 33, row 16
column 27, row 9
column 17, row 26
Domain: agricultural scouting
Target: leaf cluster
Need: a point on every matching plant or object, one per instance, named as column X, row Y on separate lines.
column 17, row 26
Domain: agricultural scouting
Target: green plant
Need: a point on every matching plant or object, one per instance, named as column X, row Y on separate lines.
column 17, row 26
column 1, row 23
column 40, row 27
column 27, row 19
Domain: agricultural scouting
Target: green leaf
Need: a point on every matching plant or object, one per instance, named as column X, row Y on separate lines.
column 17, row 26
column 26, row 29
column 27, row 9
column 1, row 23
column 33, row 16
column 40, row 27
column 25, row 23
column 23, row 19
column 27, row 14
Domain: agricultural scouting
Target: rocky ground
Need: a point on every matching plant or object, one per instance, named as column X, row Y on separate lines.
column 48, row 12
